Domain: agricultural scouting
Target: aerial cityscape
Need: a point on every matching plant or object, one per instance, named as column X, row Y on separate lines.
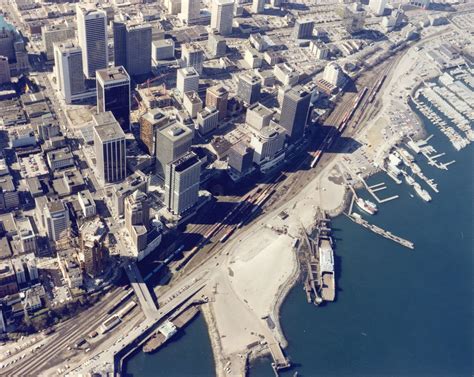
column 236, row 188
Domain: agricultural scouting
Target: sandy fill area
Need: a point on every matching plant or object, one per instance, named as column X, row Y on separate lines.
column 260, row 268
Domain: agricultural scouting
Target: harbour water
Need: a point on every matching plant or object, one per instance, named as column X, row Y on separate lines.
column 398, row 312
column 189, row 353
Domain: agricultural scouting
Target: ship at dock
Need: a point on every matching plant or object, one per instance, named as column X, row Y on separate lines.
column 406, row 156
column 326, row 270
column 320, row 282
column 409, row 180
column 422, row 193
column 367, row 206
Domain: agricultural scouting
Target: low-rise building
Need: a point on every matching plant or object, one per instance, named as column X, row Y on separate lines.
column 207, row 120
column 162, row 49
column 258, row 116
column 267, row 143
column 60, row 158
column 253, row 58
column 9, row 196
column 87, row 203
column 8, row 283
column 192, row 103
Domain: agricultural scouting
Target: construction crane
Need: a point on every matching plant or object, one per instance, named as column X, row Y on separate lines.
column 149, row 81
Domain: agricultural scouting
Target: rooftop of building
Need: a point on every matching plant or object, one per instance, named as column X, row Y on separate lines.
column 68, row 45
column 163, row 42
column 207, row 111
column 185, row 161
column 55, row 27
column 6, row 183
column 86, row 197
column 297, row 92
column 130, row 183
column 191, row 47
column 188, row 71
column 93, row 229
column 5, row 249
column 218, row 90
column 89, row 9
column 24, row 227
column 154, row 115
column 7, row 223
column 56, row 206
column 193, row 97
column 113, row 74
column 137, row 25
column 107, row 128
column 60, row 154
column 260, row 110
column 6, row 268
column 33, row 166
column 175, row 131
column 271, row 131
column 250, row 77
column 242, row 148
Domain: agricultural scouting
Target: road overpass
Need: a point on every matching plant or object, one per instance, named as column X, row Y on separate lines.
column 141, row 290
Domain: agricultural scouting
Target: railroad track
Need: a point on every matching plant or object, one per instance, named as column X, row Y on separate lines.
column 69, row 332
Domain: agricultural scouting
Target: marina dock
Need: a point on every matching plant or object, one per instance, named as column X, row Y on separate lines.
column 371, row 190
column 381, row 232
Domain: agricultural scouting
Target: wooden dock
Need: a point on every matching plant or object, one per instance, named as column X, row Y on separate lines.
column 381, row 232
column 371, row 191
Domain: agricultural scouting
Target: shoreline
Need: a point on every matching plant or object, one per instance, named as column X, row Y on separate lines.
column 326, row 187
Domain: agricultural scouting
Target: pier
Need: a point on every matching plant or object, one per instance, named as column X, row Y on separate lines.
column 430, row 182
column 381, row 232
column 280, row 361
column 312, row 271
column 371, row 191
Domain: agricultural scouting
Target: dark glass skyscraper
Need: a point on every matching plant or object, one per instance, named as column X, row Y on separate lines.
column 113, row 94
column 294, row 111
column 132, row 47
column 249, row 88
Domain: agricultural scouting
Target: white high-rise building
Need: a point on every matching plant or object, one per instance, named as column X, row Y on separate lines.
column 182, row 183
column 193, row 56
column 258, row 6
column 110, row 148
column 92, row 35
column 190, row 10
column 69, row 70
column 222, row 15
column 57, row 220
column 377, row 6
column 334, row 74
column 187, row 80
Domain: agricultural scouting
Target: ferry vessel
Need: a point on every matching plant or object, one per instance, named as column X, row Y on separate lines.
column 423, row 194
column 367, row 206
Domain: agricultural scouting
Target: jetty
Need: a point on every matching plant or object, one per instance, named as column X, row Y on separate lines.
column 374, row 188
column 381, row 232
column 417, row 171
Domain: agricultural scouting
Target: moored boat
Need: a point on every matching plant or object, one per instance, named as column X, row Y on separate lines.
column 367, row 206
column 422, row 193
